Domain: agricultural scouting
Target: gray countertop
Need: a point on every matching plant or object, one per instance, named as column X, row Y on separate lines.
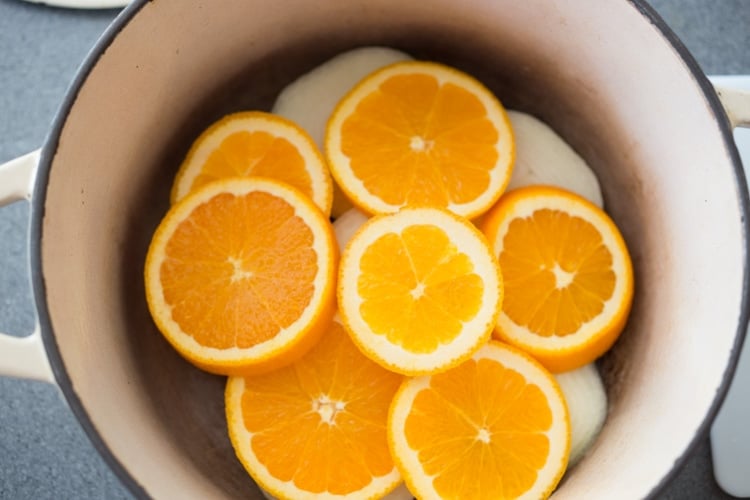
column 43, row 452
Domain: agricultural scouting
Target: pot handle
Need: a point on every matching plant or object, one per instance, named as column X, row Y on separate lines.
column 734, row 93
column 22, row 357
column 730, row 434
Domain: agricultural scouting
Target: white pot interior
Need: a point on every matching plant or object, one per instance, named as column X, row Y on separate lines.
column 600, row 73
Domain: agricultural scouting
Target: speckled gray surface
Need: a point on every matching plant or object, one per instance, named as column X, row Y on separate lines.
column 43, row 452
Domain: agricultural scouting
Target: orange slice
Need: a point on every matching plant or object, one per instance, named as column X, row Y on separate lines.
column 316, row 428
column 240, row 275
column 419, row 290
column 568, row 275
column 420, row 134
column 258, row 144
column 496, row 426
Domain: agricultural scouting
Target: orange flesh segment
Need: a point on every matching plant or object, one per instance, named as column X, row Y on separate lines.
column 252, row 275
column 416, row 142
column 321, row 422
column 538, row 256
column 259, row 154
column 419, row 279
column 474, row 425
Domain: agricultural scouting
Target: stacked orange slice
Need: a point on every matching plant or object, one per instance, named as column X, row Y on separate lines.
column 419, row 290
column 243, row 278
column 318, row 426
column 495, row 426
column 568, row 275
column 254, row 143
column 417, row 134
column 240, row 275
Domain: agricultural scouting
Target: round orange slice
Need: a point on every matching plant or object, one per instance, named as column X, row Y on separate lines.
column 240, row 275
column 568, row 275
column 316, row 428
column 495, row 426
column 419, row 290
column 417, row 134
column 254, row 143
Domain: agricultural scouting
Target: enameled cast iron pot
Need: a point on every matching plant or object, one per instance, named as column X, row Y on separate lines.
column 608, row 76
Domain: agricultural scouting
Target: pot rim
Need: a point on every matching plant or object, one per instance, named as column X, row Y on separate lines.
column 49, row 149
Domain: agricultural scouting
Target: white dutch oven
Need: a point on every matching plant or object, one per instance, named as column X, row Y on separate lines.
column 609, row 76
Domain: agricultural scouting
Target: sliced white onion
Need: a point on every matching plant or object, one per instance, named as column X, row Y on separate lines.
column 347, row 224
column 543, row 157
column 584, row 393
